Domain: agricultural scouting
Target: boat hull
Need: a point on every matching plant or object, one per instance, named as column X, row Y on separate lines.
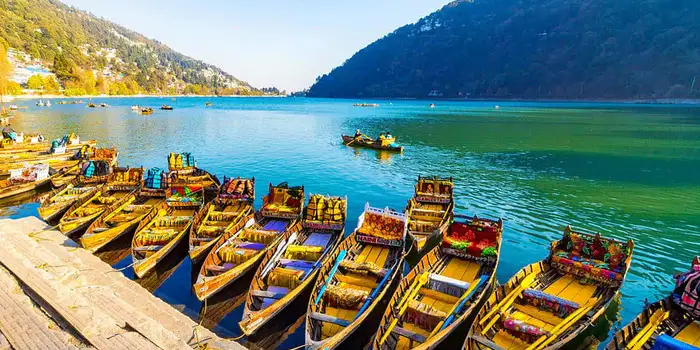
column 348, row 139
column 17, row 190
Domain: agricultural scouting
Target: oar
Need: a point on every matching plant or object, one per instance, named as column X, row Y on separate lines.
column 544, row 340
column 379, row 288
column 280, row 249
column 643, row 336
column 340, row 258
column 403, row 304
column 457, row 308
column 506, row 302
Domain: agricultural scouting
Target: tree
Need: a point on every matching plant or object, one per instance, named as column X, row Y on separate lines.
column 13, row 88
column 89, row 83
column 102, row 85
column 50, row 84
column 35, row 82
column 5, row 72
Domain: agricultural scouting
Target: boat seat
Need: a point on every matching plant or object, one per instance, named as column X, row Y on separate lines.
column 330, row 319
column 252, row 246
column 148, row 248
column 415, row 336
column 448, row 285
column 318, row 239
column 357, row 280
column 586, row 267
column 217, row 269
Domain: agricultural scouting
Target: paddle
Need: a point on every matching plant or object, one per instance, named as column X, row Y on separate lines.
column 544, row 340
column 340, row 258
column 376, row 291
column 506, row 302
column 403, row 304
column 457, row 308
column 280, row 249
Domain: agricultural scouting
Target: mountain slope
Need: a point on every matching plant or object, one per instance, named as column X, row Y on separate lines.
column 532, row 49
column 73, row 42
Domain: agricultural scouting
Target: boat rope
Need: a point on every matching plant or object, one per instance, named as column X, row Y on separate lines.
column 300, row 347
column 409, row 251
column 120, row 269
column 35, row 234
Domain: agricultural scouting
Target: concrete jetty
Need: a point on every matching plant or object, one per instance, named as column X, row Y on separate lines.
column 55, row 295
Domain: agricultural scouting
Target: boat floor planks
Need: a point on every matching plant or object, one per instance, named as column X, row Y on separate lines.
column 690, row 334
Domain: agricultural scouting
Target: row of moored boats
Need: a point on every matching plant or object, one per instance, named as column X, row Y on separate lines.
column 354, row 286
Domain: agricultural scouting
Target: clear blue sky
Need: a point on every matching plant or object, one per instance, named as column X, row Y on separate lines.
column 283, row 43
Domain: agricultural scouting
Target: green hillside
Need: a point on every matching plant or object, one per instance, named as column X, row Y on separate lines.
column 537, row 49
column 78, row 47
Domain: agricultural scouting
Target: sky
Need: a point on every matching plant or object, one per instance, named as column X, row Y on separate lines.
column 282, row 43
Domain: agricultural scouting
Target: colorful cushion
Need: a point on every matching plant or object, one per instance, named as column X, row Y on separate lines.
column 522, row 330
column 550, row 303
column 584, row 267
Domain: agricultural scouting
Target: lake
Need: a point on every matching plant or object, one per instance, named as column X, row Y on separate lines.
column 627, row 171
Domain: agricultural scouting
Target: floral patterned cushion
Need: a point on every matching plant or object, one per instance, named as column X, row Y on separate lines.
column 522, row 330
column 586, row 267
column 550, row 303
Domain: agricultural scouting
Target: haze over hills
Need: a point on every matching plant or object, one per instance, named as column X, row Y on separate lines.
column 538, row 49
column 85, row 51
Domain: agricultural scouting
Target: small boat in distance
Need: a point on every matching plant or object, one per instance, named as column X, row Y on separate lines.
column 135, row 108
column 432, row 105
column 369, row 143
column 91, row 105
column 146, row 111
column 166, row 107
column 14, row 107
column 40, row 103
column 104, row 104
column 366, row 105
column 549, row 303
column 208, row 104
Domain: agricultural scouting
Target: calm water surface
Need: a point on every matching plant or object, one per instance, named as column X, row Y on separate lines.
column 626, row 171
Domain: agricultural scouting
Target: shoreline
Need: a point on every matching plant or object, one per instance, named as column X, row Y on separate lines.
column 88, row 97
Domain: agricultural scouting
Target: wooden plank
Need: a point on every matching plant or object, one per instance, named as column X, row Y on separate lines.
column 325, row 318
column 133, row 306
column 408, row 334
column 4, row 344
column 26, row 326
column 267, row 294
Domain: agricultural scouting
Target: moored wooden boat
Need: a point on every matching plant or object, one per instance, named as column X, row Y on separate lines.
column 28, row 146
column 447, row 286
column 165, row 227
column 356, row 281
column 369, row 143
column 548, row 303
column 121, row 220
column 287, row 273
column 238, row 252
column 669, row 323
column 230, row 209
column 183, row 167
column 54, row 205
column 429, row 212
column 119, row 185
column 24, row 180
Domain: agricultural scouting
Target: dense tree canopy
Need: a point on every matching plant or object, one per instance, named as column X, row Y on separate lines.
column 575, row 49
column 73, row 42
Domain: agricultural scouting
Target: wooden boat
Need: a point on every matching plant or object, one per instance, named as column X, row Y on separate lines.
column 54, row 205
column 165, row 227
column 119, row 185
column 356, row 281
column 183, row 167
column 33, row 145
column 431, row 305
column 226, row 213
column 24, row 180
column 287, row 273
column 664, row 324
column 118, row 221
column 108, row 158
column 208, row 104
column 166, row 108
column 239, row 252
column 91, row 105
column 548, row 303
column 146, row 111
column 429, row 212
column 369, row 143
column 366, row 105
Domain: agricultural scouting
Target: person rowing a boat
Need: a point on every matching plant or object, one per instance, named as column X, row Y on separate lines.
column 358, row 134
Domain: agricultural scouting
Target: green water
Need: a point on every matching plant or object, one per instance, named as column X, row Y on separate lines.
column 626, row 171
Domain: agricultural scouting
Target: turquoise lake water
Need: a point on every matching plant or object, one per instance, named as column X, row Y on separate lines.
column 628, row 171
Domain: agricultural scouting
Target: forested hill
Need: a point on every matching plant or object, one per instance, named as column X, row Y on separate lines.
column 73, row 43
column 534, row 49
